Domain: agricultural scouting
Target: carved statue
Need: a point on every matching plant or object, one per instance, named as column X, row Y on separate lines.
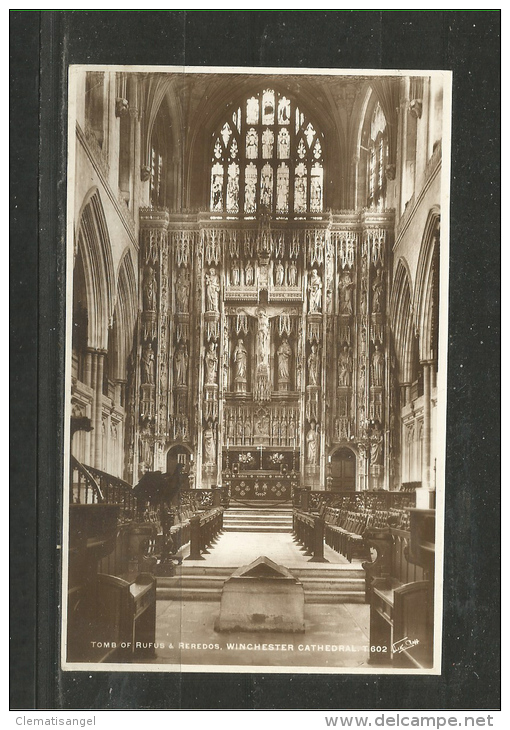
column 377, row 366
column 144, row 450
column 274, row 430
column 279, row 274
column 261, row 424
column 263, row 336
column 312, row 445
column 211, row 364
column 378, row 291
column 226, row 359
column 345, row 366
column 148, row 365
column 315, row 289
column 292, row 430
column 313, row 366
column 240, row 362
column 182, row 291
column 231, row 427
column 292, row 273
column 249, row 274
column 212, row 291
column 150, row 290
column 162, row 376
column 343, row 428
column 181, row 364
column 284, row 354
column 346, row 286
column 363, row 298
column 209, row 444
column 376, row 446
column 235, row 278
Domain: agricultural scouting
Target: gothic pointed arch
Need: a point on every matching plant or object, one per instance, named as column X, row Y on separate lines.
column 386, row 89
column 426, row 300
column 154, row 90
column 93, row 243
column 402, row 319
column 358, row 148
column 124, row 321
column 266, row 155
column 373, row 151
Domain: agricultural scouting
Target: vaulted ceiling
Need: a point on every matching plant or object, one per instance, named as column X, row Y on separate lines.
column 196, row 103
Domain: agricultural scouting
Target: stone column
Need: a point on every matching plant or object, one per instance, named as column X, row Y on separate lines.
column 87, row 370
column 98, row 446
column 153, row 297
column 92, row 375
column 96, row 360
column 424, row 496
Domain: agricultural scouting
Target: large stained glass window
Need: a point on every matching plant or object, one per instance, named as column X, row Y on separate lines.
column 267, row 156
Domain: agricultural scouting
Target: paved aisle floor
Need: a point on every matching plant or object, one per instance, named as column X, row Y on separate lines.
column 234, row 549
column 335, row 635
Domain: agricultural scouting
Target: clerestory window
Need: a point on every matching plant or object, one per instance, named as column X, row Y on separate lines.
column 267, row 156
column 377, row 159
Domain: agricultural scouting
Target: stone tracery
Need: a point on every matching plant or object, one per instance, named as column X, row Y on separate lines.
column 267, row 318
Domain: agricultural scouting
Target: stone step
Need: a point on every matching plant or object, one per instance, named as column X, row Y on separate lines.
column 231, row 517
column 193, row 581
column 261, row 504
column 311, row 571
column 335, row 597
column 328, row 572
column 310, row 585
column 257, row 518
column 319, row 584
column 258, row 525
column 309, row 578
column 188, row 594
column 263, row 508
column 255, row 528
column 258, row 513
column 261, row 523
column 214, row 594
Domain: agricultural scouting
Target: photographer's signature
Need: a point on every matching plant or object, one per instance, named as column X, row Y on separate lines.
column 403, row 644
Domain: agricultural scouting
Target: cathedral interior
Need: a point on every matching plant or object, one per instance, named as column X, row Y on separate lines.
column 255, row 298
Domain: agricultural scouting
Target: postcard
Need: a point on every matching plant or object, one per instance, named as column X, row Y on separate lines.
column 255, row 369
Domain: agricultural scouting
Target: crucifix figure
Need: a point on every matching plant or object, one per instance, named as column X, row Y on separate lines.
column 263, row 336
column 263, row 384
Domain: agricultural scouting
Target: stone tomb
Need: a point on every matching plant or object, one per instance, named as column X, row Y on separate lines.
column 262, row 596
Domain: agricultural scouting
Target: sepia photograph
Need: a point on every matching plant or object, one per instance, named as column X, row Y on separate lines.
column 256, row 335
